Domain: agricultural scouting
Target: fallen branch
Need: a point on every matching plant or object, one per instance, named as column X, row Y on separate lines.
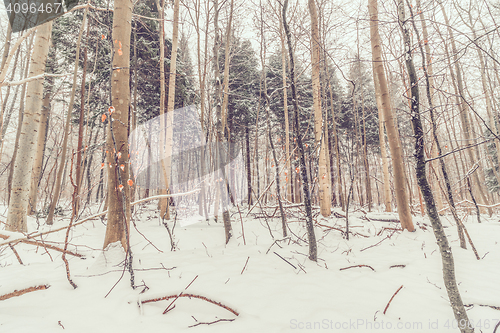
column 486, row 305
column 16, row 254
column 245, row 265
column 285, row 260
column 384, row 220
column 338, row 215
column 191, row 296
column 393, row 266
column 387, row 306
column 37, row 243
column 23, row 291
column 342, row 231
column 370, row 267
column 212, row 322
column 52, row 247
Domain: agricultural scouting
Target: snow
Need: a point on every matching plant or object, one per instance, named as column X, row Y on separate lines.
column 269, row 294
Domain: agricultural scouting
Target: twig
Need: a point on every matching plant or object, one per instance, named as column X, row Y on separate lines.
column 470, row 241
column 388, row 236
column 486, row 305
column 368, row 266
column 496, row 326
column 245, row 265
column 387, row 306
column 191, row 296
column 393, row 266
column 73, row 216
column 168, row 307
column 17, row 254
column 276, row 242
column 143, row 236
column 212, row 322
column 52, row 247
column 23, row 291
column 242, row 230
column 285, row 260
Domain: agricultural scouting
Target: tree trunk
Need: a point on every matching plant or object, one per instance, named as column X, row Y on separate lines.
column 323, row 172
column 383, row 148
column 444, row 247
column 227, row 56
column 392, row 132
column 248, row 164
column 79, row 149
column 117, row 229
column 18, row 205
column 163, row 203
column 40, row 147
column 19, row 122
column 223, row 195
column 313, row 251
column 288, row 177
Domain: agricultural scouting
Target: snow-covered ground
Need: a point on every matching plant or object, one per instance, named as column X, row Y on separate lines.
column 268, row 293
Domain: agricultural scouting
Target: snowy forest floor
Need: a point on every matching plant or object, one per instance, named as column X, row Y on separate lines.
column 269, row 293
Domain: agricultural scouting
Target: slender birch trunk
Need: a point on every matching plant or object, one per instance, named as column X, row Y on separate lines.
column 323, row 172
column 392, row 133
column 313, row 251
column 40, row 147
column 383, row 148
column 221, row 188
column 18, row 205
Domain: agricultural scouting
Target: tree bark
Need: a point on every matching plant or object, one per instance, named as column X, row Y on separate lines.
column 221, row 188
column 323, row 172
column 313, row 251
column 288, row 177
column 40, row 147
column 227, row 55
column 18, row 205
column 79, row 149
column 392, row 133
column 117, row 229
column 383, row 148
column 163, row 203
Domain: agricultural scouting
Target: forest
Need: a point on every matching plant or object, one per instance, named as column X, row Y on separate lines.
column 262, row 165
